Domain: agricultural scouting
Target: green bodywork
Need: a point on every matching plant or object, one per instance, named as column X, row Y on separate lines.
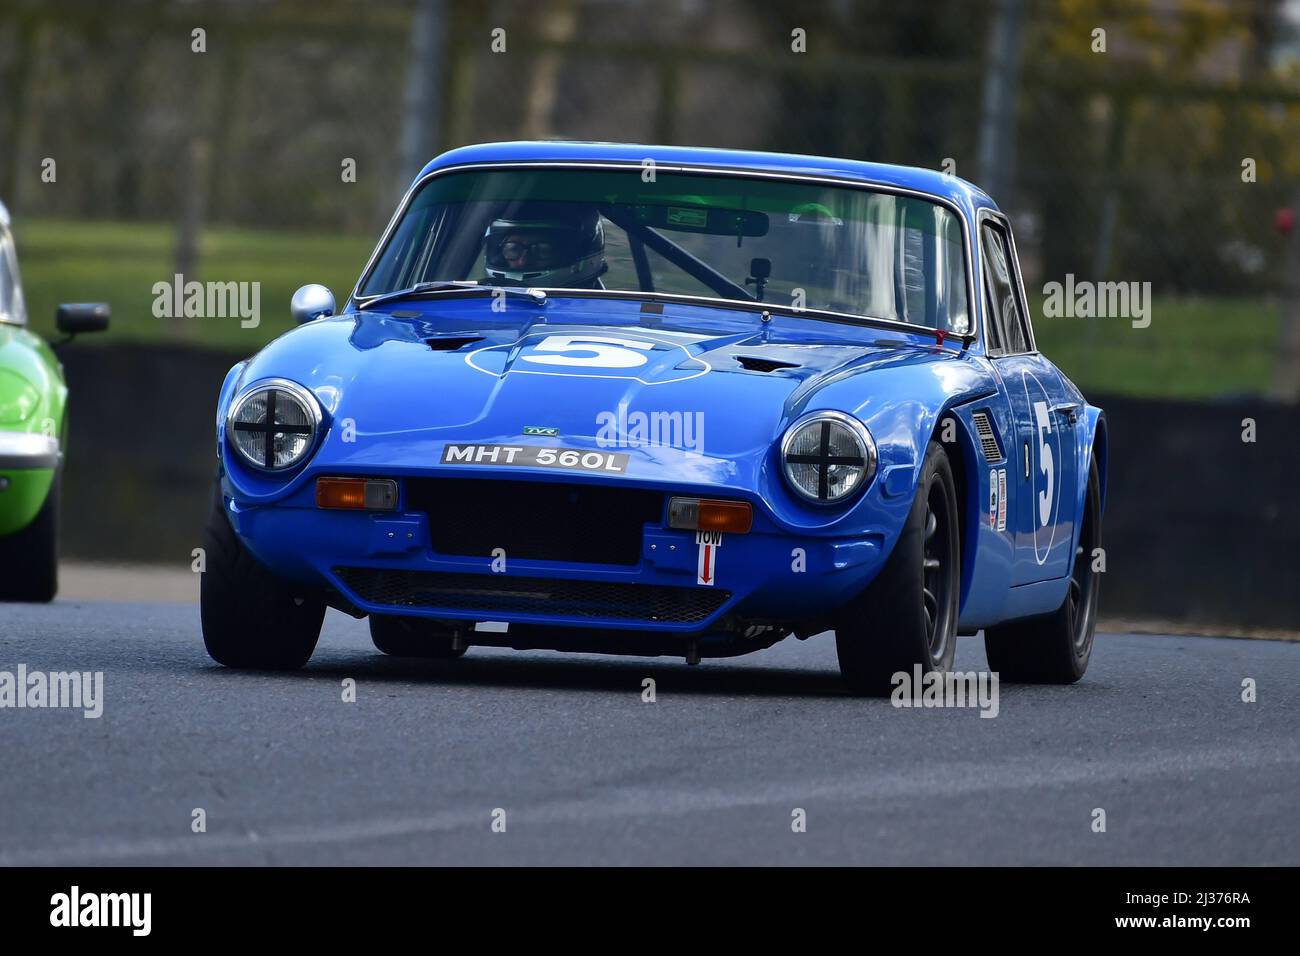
column 33, row 396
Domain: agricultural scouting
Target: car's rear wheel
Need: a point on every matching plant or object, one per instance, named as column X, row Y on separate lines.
column 30, row 557
column 252, row 619
column 1056, row 648
column 415, row 637
column 907, row 616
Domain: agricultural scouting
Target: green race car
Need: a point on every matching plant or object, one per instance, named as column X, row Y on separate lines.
column 33, row 431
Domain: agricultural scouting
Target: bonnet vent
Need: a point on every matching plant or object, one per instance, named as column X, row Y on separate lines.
column 450, row 343
column 753, row 364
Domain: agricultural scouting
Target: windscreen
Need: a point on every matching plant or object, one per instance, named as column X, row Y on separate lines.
column 806, row 245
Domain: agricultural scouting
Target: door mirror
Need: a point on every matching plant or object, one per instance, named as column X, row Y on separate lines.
column 73, row 318
column 311, row 302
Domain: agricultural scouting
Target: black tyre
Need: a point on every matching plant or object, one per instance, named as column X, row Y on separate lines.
column 30, row 557
column 251, row 618
column 1056, row 648
column 415, row 637
column 908, row 614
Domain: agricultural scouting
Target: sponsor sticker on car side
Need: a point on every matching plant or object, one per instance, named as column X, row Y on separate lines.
column 998, row 499
column 1002, row 499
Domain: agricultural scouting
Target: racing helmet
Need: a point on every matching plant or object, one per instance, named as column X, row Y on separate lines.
column 554, row 245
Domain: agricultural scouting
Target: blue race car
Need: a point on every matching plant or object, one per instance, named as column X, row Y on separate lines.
column 661, row 400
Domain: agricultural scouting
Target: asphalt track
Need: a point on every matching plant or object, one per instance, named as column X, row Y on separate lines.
column 1156, row 735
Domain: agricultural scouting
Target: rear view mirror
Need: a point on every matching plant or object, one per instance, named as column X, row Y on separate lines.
column 73, row 318
column 703, row 219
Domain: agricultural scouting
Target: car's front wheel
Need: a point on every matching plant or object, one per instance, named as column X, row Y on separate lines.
column 907, row 616
column 30, row 557
column 415, row 637
column 251, row 618
column 1056, row 648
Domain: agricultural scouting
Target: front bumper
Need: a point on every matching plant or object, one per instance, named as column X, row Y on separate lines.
column 22, row 451
column 391, row 563
column 27, row 466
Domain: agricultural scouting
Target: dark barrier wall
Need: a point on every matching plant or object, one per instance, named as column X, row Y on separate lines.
column 142, row 450
column 1200, row 526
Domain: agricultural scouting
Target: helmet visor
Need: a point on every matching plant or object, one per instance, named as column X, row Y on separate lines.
column 531, row 247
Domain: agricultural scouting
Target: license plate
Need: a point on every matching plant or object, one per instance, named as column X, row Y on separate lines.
column 537, row 456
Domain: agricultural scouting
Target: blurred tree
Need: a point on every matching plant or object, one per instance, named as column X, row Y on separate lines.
column 559, row 22
column 879, row 81
column 1141, row 147
column 1131, row 157
column 35, row 38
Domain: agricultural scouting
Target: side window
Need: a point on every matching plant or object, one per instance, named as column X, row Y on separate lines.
column 1011, row 333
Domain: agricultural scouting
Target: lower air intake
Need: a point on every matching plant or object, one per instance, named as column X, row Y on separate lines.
column 551, row 597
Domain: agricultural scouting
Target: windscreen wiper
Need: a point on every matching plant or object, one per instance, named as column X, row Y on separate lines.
column 535, row 296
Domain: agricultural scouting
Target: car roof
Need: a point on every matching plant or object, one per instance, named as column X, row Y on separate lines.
column 968, row 197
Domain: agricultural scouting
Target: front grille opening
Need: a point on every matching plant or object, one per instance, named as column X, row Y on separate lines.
column 534, row 520
column 558, row 598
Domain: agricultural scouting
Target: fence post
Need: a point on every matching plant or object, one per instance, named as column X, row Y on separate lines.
column 997, row 136
column 421, row 105
column 1286, row 373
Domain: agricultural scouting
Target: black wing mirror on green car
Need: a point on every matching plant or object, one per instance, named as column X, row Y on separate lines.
column 73, row 318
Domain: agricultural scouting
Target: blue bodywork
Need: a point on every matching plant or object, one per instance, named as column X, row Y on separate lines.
column 391, row 404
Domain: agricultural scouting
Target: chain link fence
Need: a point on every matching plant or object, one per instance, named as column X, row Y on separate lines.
column 1164, row 149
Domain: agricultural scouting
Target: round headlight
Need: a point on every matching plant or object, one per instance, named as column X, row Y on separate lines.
column 827, row 456
column 273, row 424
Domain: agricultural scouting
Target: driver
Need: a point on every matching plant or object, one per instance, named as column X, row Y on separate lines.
column 560, row 246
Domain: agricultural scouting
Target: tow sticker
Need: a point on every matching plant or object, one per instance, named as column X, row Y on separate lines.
column 706, row 570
